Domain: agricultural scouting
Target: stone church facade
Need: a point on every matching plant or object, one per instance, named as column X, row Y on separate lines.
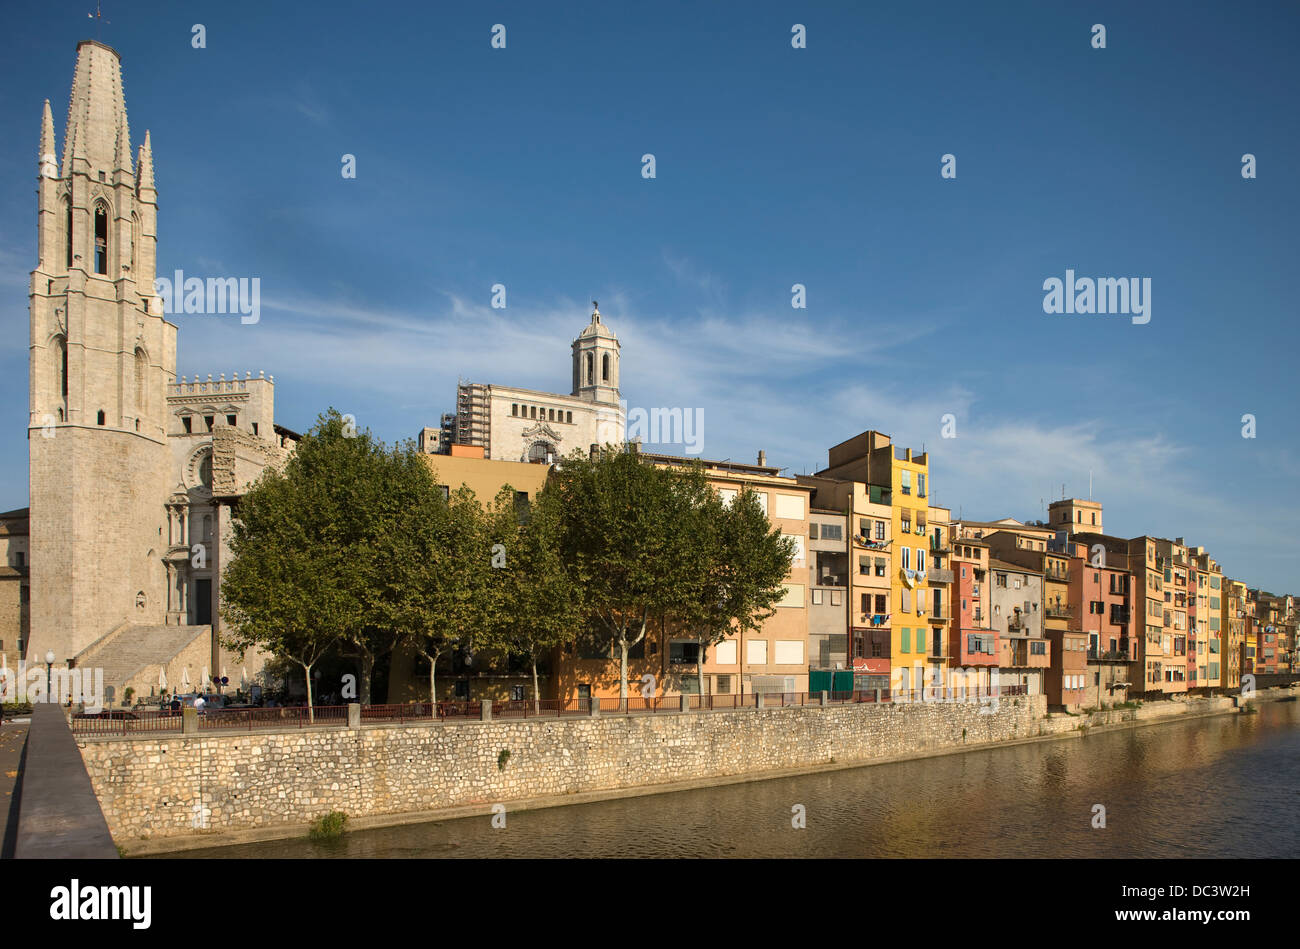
column 132, row 473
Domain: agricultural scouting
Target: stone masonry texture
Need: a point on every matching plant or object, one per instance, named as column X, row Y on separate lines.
column 166, row 787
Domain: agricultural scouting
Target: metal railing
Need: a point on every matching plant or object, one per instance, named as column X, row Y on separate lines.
column 125, row 722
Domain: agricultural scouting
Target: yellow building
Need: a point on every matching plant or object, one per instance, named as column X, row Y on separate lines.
column 872, row 459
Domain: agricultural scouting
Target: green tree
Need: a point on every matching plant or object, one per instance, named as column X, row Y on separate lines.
column 444, row 564
column 629, row 532
column 537, row 603
column 749, row 563
column 312, row 548
column 281, row 591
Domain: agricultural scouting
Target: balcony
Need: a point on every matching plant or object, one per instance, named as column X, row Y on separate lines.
column 1058, row 611
column 940, row 575
column 1016, row 625
column 1108, row 655
column 939, row 546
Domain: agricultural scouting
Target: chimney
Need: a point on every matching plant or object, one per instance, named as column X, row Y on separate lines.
column 762, row 458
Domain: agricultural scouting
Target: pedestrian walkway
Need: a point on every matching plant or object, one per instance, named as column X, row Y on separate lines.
column 13, row 737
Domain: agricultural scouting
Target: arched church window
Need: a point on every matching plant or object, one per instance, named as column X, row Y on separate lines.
column 205, row 478
column 591, row 369
column 539, row 451
column 101, row 237
column 99, row 418
column 135, row 241
column 67, row 232
column 604, row 368
column 61, row 365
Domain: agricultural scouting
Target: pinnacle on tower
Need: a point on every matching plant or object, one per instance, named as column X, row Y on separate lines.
column 48, row 162
column 144, row 165
column 122, row 150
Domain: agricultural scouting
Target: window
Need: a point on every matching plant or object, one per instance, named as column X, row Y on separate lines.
column 907, row 557
column 724, row 685
column 882, row 565
column 906, row 640
column 920, row 484
column 532, row 411
column 793, row 595
column 552, row 415
column 445, row 490
column 790, row 506
column 882, row 603
column 832, row 532
column 756, row 652
column 905, row 600
column 591, row 369
column 812, row 531
column 963, row 572
column 1038, row 648
column 101, row 237
column 866, row 603
column 727, row 495
column 880, row 530
column 231, row 420
column 568, row 418
column 187, row 424
column 837, row 598
column 207, row 421
column 514, row 408
column 920, row 559
column 817, row 596
column 99, row 417
column 724, row 653
column 604, row 368
column 679, row 652
column 907, row 522
column 254, row 428
column 905, row 481
column 1000, row 580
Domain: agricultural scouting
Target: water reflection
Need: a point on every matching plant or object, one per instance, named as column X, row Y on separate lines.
column 1219, row 787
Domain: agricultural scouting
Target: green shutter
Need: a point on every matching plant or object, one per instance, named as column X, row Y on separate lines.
column 907, row 640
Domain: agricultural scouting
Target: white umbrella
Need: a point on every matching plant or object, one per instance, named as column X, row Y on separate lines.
column 243, row 676
column 162, row 678
column 185, row 678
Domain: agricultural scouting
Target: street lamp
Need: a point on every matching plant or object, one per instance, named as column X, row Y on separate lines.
column 49, row 672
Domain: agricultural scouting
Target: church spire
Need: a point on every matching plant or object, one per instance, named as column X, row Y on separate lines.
column 48, row 162
column 96, row 108
column 144, row 164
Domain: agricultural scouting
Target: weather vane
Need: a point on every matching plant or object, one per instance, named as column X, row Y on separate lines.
column 98, row 17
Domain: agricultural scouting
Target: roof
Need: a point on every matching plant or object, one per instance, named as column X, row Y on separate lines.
column 996, row 564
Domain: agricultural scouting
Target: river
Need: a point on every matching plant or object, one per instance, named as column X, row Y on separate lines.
column 1225, row 786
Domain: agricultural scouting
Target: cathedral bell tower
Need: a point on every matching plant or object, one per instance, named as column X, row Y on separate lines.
column 595, row 362
column 100, row 359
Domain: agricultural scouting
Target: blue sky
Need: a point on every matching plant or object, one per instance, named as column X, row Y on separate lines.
column 775, row 166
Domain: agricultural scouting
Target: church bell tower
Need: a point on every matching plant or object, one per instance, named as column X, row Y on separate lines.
column 101, row 357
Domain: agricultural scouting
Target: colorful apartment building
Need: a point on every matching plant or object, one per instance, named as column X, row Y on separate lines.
column 1210, row 629
column 938, row 607
column 974, row 645
column 870, row 532
column 1016, row 604
column 1233, row 622
column 872, row 459
column 828, row 603
column 1101, row 596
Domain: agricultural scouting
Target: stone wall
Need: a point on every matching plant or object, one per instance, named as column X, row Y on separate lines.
column 181, row 786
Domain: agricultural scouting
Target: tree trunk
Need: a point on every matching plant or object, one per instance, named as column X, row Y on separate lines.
column 367, row 670
column 699, row 672
column 433, row 681
column 537, row 698
column 622, row 673
column 306, row 668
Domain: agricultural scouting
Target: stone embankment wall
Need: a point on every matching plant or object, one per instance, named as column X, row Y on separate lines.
column 182, row 786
